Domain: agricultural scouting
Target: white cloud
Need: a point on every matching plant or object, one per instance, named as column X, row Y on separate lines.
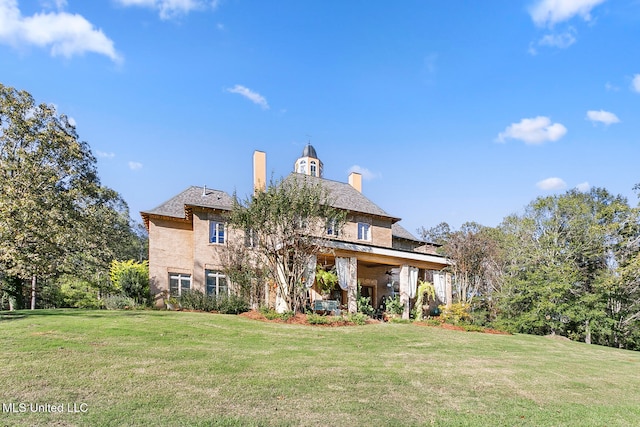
column 551, row 184
column 105, row 155
column 134, row 166
column 611, row 88
column 562, row 40
column 254, row 97
column 367, row 175
column 583, row 187
column 602, row 117
column 66, row 34
column 550, row 12
column 172, row 8
column 533, row 131
column 635, row 83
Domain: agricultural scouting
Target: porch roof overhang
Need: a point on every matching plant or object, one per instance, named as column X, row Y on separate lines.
column 387, row 256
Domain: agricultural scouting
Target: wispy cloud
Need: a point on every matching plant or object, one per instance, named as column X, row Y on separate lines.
column 635, row 83
column 105, row 155
column 611, row 88
column 367, row 175
column 551, row 184
column 602, row 116
column 550, row 12
column 169, row 9
column 252, row 96
column 64, row 33
column 134, row 166
column 562, row 40
column 583, row 187
column 536, row 130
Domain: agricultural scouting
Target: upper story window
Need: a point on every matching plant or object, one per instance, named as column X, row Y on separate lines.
column 302, row 166
column 216, row 232
column 364, row 231
column 314, row 168
column 217, row 283
column 332, row 228
column 179, row 283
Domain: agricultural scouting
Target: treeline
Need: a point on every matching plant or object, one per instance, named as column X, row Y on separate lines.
column 568, row 265
column 60, row 228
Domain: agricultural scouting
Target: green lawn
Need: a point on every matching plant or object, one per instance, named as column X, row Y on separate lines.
column 177, row 368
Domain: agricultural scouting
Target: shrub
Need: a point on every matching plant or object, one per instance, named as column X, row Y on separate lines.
column 364, row 306
column 234, row 304
column 196, row 300
column 456, row 313
column 317, row 319
column 132, row 278
column 358, row 318
column 118, row 302
column 394, row 306
column 271, row 314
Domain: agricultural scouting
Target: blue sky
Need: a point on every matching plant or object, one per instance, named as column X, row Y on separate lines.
column 453, row 110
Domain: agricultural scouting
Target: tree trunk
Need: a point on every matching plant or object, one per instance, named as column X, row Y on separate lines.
column 587, row 328
column 33, row 292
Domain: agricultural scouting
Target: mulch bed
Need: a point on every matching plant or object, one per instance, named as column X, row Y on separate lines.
column 301, row 319
column 297, row 319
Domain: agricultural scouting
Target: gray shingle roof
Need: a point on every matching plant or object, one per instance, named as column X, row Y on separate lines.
column 344, row 196
column 193, row 196
column 399, row 231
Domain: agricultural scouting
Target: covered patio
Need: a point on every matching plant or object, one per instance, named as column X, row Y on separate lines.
column 381, row 272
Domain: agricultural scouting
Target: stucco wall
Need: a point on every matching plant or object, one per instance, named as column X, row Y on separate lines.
column 380, row 230
column 170, row 250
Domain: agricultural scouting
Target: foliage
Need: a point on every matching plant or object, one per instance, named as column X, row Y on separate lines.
column 326, row 280
column 358, row 318
column 119, row 302
column 288, row 222
column 78, row 293
column 271, row 314
column 196, row 300
column 456, row 313
column 55, row 216
column 394, row 306
column 131, row 278
column 233, row 304
column 426, row 292
column 317, row 319
column 243, row 268
column 364, row 304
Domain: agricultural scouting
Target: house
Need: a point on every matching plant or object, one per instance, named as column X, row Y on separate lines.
column 189, row 239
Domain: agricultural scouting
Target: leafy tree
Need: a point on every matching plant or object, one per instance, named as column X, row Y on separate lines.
column 55, row 217
column 288, row 221
column 132, row 279
column 562, row 274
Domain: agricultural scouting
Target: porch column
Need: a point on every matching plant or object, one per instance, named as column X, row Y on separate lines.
column 408, row 284
column 352, row 290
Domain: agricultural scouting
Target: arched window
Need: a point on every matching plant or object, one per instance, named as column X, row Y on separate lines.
column 302, row 166
column 314, row 168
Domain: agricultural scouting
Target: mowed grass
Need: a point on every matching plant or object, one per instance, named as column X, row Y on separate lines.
column 199, row 369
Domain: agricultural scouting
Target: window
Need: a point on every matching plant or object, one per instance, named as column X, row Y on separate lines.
column 314, row 169
column 217, row 283
column 364, row 231
column 332, row 228
column 216, row 232
column 302, row 166
column 179, row 283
